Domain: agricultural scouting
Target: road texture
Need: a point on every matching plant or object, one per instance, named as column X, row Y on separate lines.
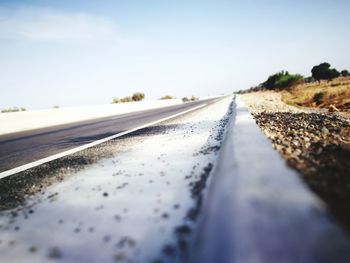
column 205, row 186
column 131, row 199
column 25, row 147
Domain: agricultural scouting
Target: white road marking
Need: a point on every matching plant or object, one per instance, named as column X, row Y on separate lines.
column 91, row 144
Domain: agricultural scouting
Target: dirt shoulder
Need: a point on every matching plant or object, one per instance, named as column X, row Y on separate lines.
column 269, row 101
column 314, row 142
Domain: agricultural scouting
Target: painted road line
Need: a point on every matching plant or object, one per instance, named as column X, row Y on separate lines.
column 89, row 145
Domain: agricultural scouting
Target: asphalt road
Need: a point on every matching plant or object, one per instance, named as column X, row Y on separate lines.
column 24, row 147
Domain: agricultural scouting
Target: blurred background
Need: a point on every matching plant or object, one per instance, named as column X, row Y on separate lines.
column 83, row 52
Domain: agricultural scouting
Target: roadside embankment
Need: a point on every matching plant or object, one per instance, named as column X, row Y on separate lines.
column 333, row 95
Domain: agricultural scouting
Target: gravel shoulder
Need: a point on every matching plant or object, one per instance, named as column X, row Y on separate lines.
column 314, row 142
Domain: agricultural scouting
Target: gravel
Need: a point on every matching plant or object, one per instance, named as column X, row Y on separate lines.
column 314, row 142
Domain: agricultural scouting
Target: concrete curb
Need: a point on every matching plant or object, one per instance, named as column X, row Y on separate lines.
column 258, row 210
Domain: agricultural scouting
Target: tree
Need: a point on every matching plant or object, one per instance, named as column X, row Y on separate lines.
column 138, row 96
column 344, row 73
column 334, row 73
column 324, row 71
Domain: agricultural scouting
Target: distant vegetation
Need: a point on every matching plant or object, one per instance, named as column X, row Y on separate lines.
column 326, row 88
column 324, row 71
column 344, row 73
column 282, row 80
column 137, row 96
column 122, row 100
column 186, row 99
column 13, row 109
column 167, row 97
column 333, row 93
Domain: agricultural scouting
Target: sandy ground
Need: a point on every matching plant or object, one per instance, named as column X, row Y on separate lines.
column 133, row 199
column 314, row 142
column 269, row 101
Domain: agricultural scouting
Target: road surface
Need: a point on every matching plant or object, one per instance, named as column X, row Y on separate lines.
column 133, row 200
column 24, row 147
column 189, row 189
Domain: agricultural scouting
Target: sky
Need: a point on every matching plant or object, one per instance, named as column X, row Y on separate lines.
column 85, row 52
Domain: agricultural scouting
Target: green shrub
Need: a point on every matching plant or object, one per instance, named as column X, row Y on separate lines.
column 289, row 80
column 318, row 97
column 282, row 80
column 185, row 99
column 13, row 109
column 126, row 99
column 138, row 96
column 193, row 98
column 167, row 97
column 116, row 100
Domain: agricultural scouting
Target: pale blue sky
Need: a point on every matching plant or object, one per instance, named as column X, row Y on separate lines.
column 71, row 53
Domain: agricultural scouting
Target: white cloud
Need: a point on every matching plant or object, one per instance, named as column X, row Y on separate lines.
column 47, row 25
